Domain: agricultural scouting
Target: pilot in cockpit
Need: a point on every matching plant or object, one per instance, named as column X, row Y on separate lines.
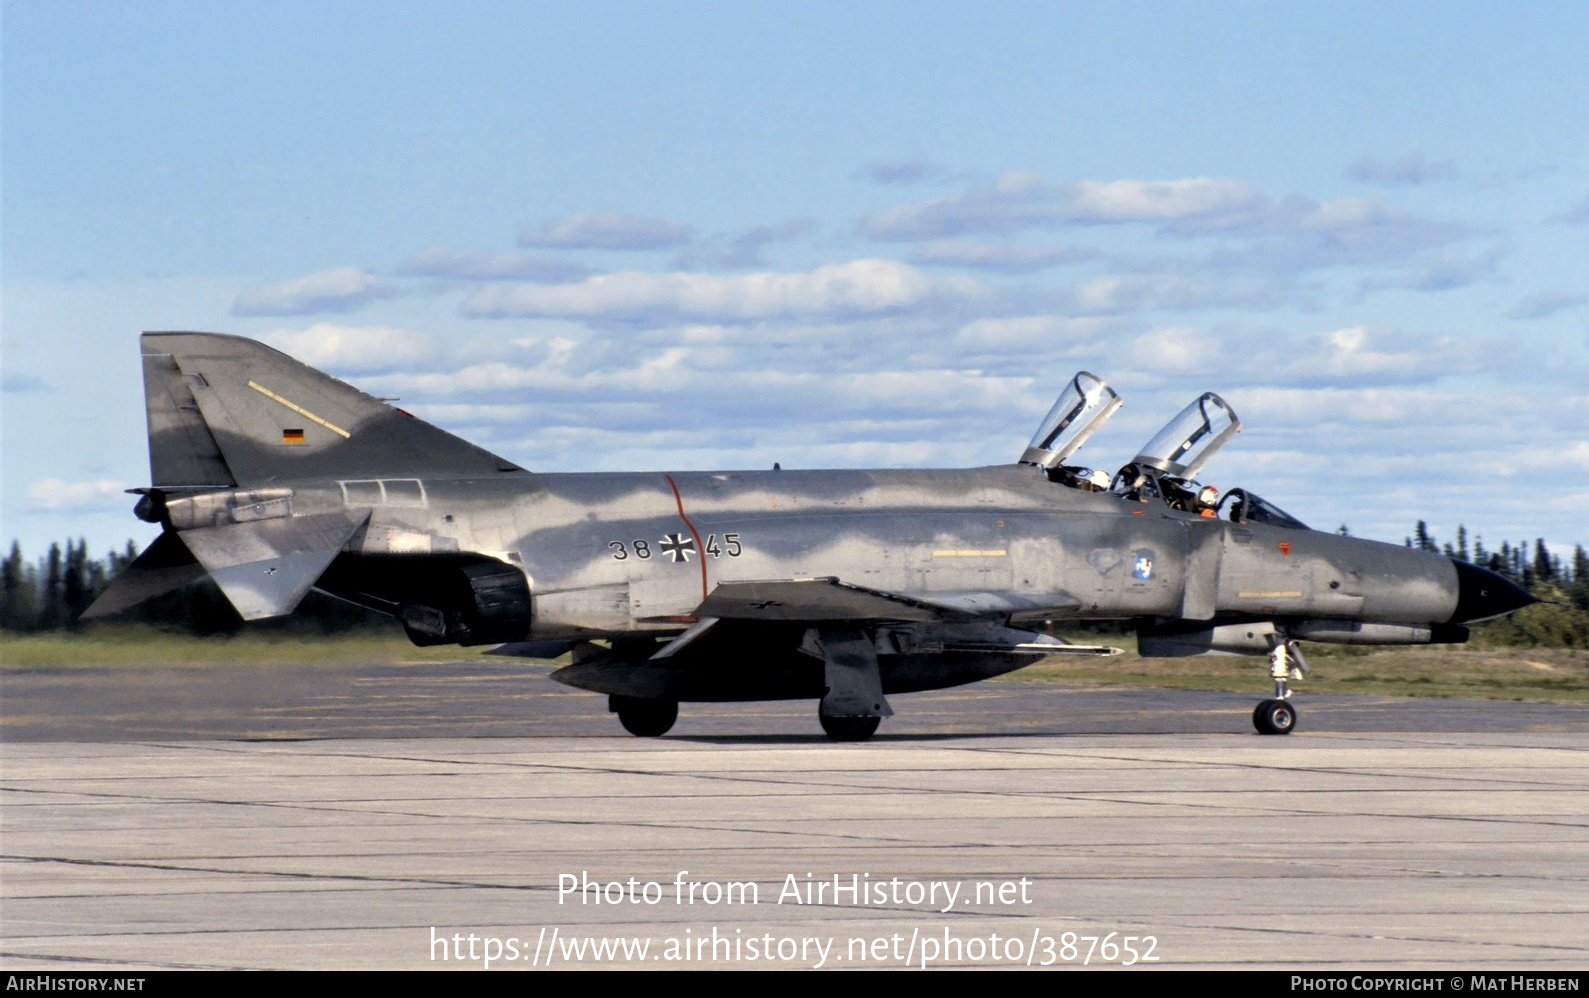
column 1179, row 493
column 1189, row 496
column 1086, row 479
column 1134, row 483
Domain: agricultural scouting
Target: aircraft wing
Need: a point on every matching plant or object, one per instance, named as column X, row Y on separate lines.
column 821, row 599
column 824, row 600
column 829, row 599
column 779, row 618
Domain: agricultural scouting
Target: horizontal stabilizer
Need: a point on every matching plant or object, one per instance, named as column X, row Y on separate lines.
column 265, row 567
column 825, row 599
column 165, row 566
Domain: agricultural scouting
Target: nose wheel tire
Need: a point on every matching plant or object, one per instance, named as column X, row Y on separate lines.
column 849, row 729
column 645, row 718
column 1274, row 717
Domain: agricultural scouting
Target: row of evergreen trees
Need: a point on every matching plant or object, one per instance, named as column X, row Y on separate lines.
column 52, row 593
column 1516, row 563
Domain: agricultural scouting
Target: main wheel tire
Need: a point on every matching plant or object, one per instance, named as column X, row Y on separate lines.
column 1274, row 717
column 849, row 729
column 646, row 718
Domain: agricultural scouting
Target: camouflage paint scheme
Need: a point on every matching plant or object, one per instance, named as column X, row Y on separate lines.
column 841, row 586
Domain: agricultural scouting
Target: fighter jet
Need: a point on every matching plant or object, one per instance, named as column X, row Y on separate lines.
column 841, row 587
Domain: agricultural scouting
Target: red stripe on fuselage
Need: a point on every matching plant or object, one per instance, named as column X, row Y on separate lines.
column 700, row 549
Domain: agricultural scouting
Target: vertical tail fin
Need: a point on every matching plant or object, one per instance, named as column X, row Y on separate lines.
column 238, row 423
column 182, row 450
column 225, row 411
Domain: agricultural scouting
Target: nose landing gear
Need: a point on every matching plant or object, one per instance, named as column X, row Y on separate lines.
column 1278, row 716
column 1274, row 717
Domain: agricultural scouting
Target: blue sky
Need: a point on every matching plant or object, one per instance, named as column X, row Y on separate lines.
column 697, row 235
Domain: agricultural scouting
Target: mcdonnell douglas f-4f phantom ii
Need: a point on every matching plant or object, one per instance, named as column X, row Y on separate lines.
column 838, row 586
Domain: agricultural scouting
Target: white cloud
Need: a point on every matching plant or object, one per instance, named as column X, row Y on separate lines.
column 1576, row 456
column 1354, row 357
column 759, row 392
column 1448, row 270
column 859, row 287
column 59, row 494
column 1354, row 352
column 744, row 250
column 606, row 230
column 1042, row 336
column 1005, row 257
column 1378, row 409
column 1279, row 233
column 20, row 383
column 440, row 262
column 898, row 171
column 1404, row 171
column 351, row 348
column 1349, row 213
column 1296, row 232
column 1546, row 303
column 1020, row 200
column 1161, row 200
column 1176, row 350
column 342, row 289
column 1116, row 294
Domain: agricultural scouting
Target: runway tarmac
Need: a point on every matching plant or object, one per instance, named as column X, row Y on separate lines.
column 379, row 817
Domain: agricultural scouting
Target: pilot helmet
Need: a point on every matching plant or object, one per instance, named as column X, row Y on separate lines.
column 1093, row 480
column 1207, row 497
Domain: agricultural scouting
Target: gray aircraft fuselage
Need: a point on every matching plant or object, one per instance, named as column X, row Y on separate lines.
column 619, row 553
column 272, row 478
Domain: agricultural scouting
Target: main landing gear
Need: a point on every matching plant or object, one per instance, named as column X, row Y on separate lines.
column 654, row 718
column 852, row 707
column 854, row 704
column 1278, row 716
column 646, row 718
column 848, row 729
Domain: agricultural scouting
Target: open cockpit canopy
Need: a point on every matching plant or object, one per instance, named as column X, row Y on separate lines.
column 1163, row 470
column 1080, row 409
column 1191, row 438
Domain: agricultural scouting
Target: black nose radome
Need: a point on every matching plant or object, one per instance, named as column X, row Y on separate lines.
column 1482, row 594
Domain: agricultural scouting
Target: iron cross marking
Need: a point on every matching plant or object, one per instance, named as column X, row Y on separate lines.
column 678, row 547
